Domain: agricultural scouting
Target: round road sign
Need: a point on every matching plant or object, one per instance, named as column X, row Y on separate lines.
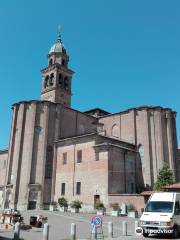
column 96, row 221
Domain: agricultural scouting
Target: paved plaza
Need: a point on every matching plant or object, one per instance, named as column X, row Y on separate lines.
column 60, row 224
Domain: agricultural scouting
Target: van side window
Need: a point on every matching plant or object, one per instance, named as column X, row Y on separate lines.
column 177, row 208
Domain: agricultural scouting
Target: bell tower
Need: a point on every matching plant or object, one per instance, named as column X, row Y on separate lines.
column 56, row 84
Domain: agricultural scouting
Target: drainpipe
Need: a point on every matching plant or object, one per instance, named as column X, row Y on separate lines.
column 74, row 168
column 74, row 162
column 125, row 171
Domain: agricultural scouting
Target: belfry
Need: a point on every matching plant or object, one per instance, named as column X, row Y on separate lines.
column 57, row 76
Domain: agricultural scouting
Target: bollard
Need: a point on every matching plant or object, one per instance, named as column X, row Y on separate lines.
column 46, row 231
column 17, row 231
column 136, row 225
column 110, row 229
column 124, row 225
column 73, row 231
column 94, row 233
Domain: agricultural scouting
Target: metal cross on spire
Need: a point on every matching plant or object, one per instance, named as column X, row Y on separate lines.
column 59, row 39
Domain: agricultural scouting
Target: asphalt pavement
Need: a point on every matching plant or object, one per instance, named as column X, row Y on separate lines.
column 60, row 225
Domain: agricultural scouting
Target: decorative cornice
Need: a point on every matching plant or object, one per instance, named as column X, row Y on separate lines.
column 54, row 88
column 36, row 186
column 107, row 146
column 57, row 66
column 141, row 108
column 101, row 141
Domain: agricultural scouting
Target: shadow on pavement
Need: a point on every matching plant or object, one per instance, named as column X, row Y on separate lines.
column 161, row 236
column 5, row 238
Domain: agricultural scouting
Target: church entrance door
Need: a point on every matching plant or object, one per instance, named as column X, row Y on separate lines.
column 96, row 199
column 32, row 205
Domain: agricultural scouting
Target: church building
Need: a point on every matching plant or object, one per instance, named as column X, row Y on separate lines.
column 57, row 151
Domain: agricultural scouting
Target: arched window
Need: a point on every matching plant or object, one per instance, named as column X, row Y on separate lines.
column 63, row 62
column 115, row 132
column 51, row 81
column 66, row 86
column 46, row 82
column 60, row 80
column 50, row 62
column 49, row 162
column 141, row 154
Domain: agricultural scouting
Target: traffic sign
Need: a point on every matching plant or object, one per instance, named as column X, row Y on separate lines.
column 96, row 221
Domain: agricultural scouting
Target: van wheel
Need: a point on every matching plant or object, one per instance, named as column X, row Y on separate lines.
column 175, row 232
column 145, row 235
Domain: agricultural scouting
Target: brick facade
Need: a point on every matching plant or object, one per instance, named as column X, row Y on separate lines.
column 121, row 152
column 107, row 166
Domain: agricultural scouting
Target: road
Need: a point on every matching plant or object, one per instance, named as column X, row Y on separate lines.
column 60, row 224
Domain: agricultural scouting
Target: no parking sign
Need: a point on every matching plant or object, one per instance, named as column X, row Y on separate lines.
column 96, row 221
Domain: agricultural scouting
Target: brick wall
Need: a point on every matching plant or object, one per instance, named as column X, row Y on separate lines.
column 135, row 199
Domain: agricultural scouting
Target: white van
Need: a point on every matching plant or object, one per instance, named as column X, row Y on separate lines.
column 162, row 214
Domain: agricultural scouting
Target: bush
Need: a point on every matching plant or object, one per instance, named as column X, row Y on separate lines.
column 76, row 204
column 164, row 178
column 62, row 202
column 131, row 207
column 99, row 205
column 114, row 206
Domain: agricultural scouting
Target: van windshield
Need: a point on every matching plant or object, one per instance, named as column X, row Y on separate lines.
column 155, row 206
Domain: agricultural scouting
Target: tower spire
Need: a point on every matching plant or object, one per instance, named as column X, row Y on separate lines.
column 57, row 76
column 59, row 38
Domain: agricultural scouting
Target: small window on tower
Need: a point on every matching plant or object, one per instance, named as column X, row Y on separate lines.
column 63, row 62
column 46, row 82
column 60, row 80
column 66, row 83
column 50, row 62
column 51, row 81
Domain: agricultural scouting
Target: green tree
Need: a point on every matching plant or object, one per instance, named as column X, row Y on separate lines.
column 164, row 178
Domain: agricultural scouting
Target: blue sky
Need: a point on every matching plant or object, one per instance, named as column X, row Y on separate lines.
column 125, row 53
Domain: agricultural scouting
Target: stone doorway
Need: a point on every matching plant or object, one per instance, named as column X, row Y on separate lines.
column 96, row 199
